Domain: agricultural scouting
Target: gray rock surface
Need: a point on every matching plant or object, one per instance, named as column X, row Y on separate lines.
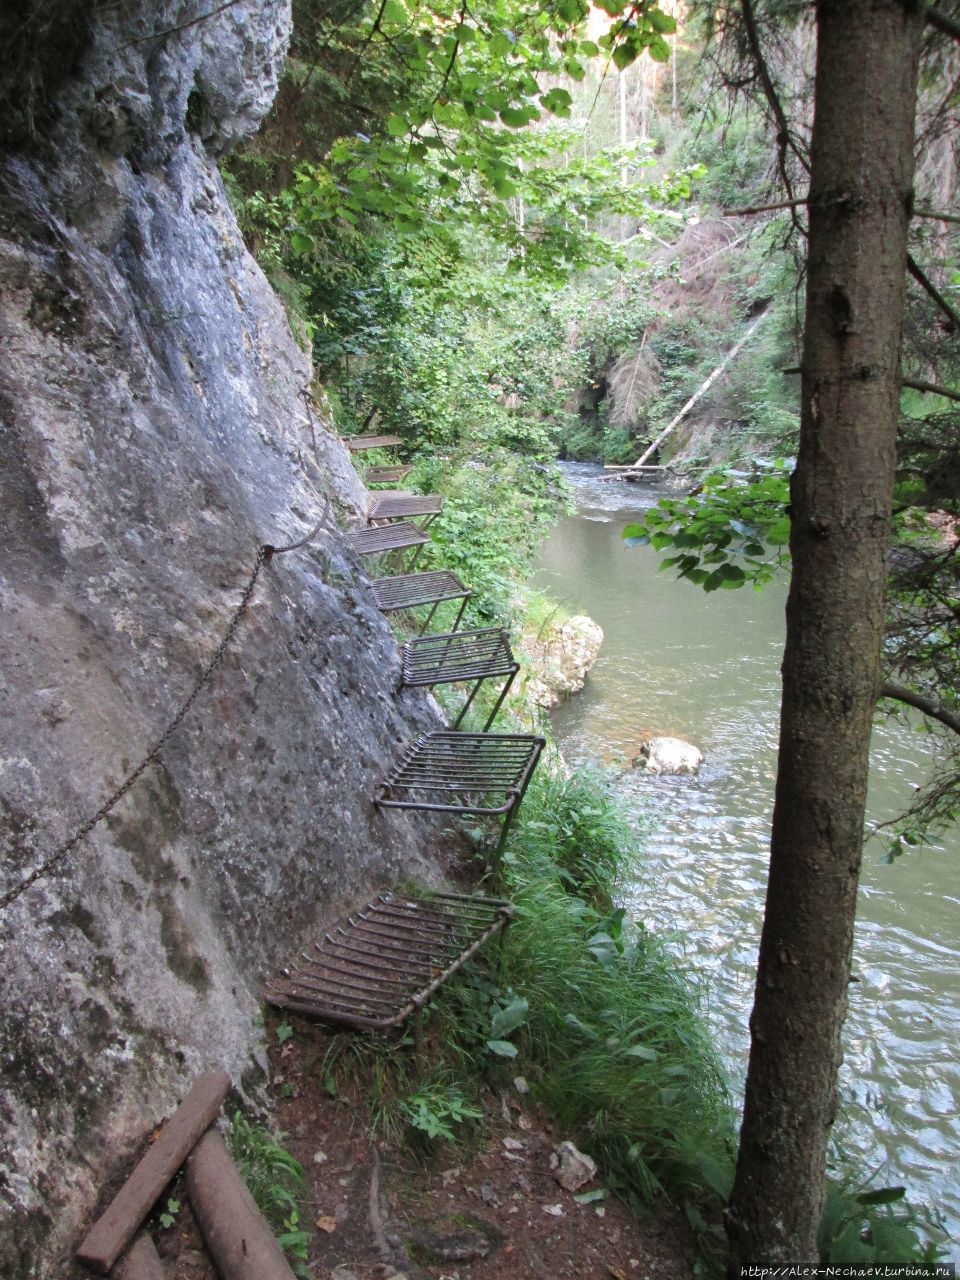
column 152, row 434
column 669, row 755
column 560, row 658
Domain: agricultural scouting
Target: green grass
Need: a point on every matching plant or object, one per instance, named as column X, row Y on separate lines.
column 275, row 1180
column 613, row 1042
column 587, row 1006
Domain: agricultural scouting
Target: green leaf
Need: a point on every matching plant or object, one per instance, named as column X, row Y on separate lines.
column 509, row 1017
column 625, row 54
column 642, row 1051
column 778, row 535
column 284, row 1032
column 502, row 1048
column 397, row 126
column 590, row 1197
column 572, row 1020
column 557, row 101
column 663, row 23
column 518, row 117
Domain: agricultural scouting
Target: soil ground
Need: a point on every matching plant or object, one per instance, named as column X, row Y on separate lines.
column 490, row 1209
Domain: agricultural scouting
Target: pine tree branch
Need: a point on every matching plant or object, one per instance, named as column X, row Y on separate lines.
column 929, row 706
column 942, row 22
column 766, row 208
column 926, row 283
column 785, row 139
column 936, row 215
column 930, row 388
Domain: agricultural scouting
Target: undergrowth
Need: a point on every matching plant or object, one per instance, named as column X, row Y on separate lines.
column 585, row 1005
column 275, row 1180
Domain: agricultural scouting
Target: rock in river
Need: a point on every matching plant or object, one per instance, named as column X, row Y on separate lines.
column 668, row 755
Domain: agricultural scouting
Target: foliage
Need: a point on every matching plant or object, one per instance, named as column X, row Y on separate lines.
column 436, row 1109
column 497, row 509
column 415, row 113
column 274, row 1178
column 168, row 1215
column 732, row 530
column 862, row 1225
column 612, row 1041
column 590, row 837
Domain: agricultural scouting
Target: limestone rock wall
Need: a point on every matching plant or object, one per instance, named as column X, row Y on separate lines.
column 152, row 434
column 560, row 658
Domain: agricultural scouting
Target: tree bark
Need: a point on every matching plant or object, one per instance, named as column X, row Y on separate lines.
column 841, row 492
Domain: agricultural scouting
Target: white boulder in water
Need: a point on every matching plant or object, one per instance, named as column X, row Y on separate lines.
column 669, row 755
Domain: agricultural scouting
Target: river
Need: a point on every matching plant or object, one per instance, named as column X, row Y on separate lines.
column 706, row 668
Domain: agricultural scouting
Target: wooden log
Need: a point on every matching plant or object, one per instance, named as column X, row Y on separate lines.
column 114, row 1230
column 140, row 1262
column 238, row 1236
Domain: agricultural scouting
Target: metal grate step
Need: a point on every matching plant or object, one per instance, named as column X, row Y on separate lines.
column 410, row 590
column 392, row 537
column 450, row 657
column 386, row 475
column 356, row 443
column 384, row 962
column 478, row 773
column 400, row 505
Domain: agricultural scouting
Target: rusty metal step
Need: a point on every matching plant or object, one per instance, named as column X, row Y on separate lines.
column 392, row 537
column 475, row 773
column 455, row 656
column 357, row 443
column 381, row 964
column 386, row 475
column 400, row 505
column 411, row 590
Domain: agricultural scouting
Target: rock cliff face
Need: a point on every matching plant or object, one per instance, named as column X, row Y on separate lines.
column 152, row 434
column 560, row 659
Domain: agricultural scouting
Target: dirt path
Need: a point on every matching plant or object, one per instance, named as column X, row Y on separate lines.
column 488, row 1210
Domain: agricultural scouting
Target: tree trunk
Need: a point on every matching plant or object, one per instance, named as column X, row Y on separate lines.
column 860, row 195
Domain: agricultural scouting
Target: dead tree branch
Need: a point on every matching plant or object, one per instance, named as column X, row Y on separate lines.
column 930, row 388
column 929, row 706
column 941, row 22
column 926, row 283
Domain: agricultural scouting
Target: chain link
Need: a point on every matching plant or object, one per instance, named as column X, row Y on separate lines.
column 264, row 553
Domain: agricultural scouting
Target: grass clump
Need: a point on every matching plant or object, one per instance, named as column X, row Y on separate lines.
column 612, row 1042
column 275, row 1180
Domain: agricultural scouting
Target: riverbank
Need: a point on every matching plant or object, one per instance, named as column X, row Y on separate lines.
column 705, row 668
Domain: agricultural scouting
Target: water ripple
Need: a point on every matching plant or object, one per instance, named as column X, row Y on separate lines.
column 706, row 668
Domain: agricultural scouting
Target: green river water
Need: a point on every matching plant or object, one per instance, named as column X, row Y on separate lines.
column 706, row 668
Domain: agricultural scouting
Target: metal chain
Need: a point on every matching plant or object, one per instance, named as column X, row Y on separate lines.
column 264, row 553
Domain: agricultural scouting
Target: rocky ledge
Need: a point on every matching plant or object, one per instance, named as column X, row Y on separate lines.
column 560, row 659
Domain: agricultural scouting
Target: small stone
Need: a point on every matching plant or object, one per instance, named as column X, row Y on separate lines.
column 575, row 1169
column 520, row 1084
column 343, row 1272
column 320, row 1157
column 449, row 1176
column 459, row 1238
column 513, row 1144
column 555, row 1210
